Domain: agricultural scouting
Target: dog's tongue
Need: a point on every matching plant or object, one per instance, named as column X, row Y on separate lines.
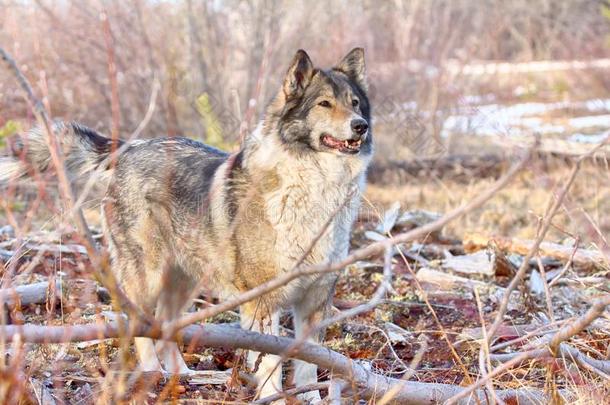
column 334, row 142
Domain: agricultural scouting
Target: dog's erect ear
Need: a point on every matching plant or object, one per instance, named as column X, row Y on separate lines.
column 353, row 66
column 298, row 76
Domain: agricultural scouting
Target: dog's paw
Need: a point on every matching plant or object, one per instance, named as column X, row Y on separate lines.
column 180, row 370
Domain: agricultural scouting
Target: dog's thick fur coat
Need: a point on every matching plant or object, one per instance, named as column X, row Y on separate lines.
column 181, row 217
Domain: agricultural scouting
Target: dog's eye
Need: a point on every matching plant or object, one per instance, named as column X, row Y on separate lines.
column 325, row 103
column 355, row 102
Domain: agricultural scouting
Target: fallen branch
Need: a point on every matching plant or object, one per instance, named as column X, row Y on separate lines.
column 36, row 293
column 455, row 166
column 580, row 257
column 211, row 335
column 447, row 281
column 467, row 166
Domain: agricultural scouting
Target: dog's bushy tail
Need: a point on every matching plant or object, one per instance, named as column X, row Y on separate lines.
column 83, row 151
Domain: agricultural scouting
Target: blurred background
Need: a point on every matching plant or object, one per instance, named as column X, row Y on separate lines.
column 456, row 85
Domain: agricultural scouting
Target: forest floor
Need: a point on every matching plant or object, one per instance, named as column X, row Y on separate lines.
column 444, row 288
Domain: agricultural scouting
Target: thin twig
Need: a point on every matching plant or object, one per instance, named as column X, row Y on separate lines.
column 55, row 151
column 484, row 362
column 567, row 265
column 542, row 330
column 419, row 355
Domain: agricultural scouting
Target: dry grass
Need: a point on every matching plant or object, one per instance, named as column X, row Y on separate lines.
column 514, row 211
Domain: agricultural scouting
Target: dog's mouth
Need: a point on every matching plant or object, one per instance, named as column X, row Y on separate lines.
column 349, row 146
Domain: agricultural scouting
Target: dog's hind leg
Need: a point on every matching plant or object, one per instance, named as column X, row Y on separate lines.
column 268, row 371
column 140, row 261
column 142, row 297
column 173, row 298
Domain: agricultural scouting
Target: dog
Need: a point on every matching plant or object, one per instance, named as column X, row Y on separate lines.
column 179, row 215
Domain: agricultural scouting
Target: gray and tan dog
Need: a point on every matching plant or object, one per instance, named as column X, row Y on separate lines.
column 180, row 215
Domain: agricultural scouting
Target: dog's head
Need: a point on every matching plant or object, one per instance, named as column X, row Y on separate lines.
column 324, row 111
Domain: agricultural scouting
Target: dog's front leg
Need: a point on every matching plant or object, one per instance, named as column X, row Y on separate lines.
column 305, row 319
column 267, row 370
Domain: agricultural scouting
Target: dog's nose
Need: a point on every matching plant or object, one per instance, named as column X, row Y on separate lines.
column 359, row 126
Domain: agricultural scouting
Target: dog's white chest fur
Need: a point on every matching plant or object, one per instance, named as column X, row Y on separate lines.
column 313, row 190
column 311, row 195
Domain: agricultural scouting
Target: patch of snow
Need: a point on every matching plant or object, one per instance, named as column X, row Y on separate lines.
column 495, row 119
column 476, row 99
column 590, row 121
column 582, row 138
column 597, row 105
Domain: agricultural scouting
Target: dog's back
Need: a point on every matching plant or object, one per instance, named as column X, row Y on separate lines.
column 156, row 212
